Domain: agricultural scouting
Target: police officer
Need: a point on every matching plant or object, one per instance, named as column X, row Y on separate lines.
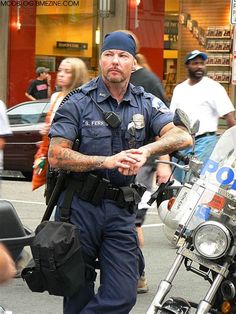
column 113, row 121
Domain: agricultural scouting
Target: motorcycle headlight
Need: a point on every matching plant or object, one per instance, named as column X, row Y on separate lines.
column 211, row 239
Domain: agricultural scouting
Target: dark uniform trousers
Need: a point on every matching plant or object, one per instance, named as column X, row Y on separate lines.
column 107, row 233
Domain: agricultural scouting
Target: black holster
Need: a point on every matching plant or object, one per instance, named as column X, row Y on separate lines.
column 52, row 175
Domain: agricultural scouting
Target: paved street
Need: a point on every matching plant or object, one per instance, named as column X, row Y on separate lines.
column 30, row 206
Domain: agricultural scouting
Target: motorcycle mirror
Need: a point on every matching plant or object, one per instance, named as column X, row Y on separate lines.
column 195, row 127
column 181, row 118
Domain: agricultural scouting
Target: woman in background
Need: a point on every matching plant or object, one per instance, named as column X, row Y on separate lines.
column 71, row 74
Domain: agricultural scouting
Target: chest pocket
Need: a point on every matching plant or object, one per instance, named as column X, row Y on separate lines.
column 96, row 141
column 135, row 138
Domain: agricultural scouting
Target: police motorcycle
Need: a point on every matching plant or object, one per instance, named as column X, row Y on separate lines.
column 13, row 234
column 206, row 212
column 166, row 192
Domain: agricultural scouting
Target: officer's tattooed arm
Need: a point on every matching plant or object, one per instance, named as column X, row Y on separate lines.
column 62, row 156
column 172, row 138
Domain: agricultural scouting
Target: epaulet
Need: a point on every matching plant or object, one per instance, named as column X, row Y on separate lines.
column 136, row 89
column 139, row 90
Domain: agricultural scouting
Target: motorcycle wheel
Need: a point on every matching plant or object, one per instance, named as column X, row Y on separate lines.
column 175, row 305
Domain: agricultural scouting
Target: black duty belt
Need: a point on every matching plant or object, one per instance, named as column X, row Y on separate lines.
column 93, row 189
column 91, row 193
column 205, row 134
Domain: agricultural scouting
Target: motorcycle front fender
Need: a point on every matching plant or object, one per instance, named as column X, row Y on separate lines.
column 175, row 306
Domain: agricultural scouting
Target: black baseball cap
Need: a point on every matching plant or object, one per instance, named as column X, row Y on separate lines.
column 194, row 54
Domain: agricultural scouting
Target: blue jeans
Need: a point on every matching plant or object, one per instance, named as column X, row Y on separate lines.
column 203, row 149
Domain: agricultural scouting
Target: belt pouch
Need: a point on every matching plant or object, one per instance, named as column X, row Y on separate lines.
column 126, row 196
column 131, row 198
column 99, row 193
column 89, row 187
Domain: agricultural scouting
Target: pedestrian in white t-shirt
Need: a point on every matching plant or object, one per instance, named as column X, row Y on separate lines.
column 203, row 99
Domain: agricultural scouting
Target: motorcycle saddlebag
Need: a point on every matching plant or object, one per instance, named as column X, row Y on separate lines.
column 12, row 233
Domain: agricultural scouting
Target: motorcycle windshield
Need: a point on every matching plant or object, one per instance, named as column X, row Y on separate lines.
column 221, row 166
column 214, row 193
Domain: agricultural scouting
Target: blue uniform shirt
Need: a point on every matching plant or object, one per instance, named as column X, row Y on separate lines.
column 142, row 114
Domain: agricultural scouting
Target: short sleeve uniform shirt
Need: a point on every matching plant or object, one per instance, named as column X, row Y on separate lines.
column 142, row 118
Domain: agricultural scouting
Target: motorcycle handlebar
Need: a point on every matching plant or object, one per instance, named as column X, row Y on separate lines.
column 180, row 157
column 183, row 167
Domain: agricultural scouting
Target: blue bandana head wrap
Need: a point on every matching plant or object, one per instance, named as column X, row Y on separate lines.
column 119, row 41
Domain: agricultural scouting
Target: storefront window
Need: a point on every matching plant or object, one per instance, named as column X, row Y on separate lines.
column 170, row 53
column 66, row 31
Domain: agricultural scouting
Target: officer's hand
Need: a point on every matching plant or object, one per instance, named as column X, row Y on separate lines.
column 122, row 160
column 163, row 173
column 141, row 158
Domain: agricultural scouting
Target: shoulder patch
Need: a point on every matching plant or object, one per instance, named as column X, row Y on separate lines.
column 159, row 105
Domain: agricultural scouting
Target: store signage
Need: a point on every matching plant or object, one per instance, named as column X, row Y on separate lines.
column 72, row 45
column 233, row 12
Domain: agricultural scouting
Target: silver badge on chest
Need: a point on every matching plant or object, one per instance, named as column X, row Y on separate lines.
column 138, row 120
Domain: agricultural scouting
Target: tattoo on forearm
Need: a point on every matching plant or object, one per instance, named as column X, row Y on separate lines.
column 169, row 142
column 62, row 156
